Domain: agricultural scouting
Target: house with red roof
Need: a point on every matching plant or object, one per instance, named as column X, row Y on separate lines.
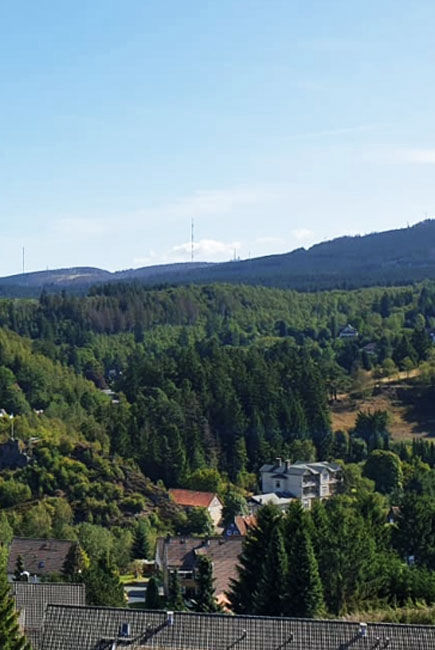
column 194, row 499
column 240, row 525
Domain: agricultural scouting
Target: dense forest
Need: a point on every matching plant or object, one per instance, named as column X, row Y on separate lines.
column 128, row 391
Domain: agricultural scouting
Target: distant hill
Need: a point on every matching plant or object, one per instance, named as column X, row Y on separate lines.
column 393, row 257
column 81, row 278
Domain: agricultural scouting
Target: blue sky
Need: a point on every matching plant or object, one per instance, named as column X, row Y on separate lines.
column 274, row 124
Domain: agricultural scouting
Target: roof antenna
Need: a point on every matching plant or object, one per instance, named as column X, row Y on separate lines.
column 243, row 636
column 289, row 640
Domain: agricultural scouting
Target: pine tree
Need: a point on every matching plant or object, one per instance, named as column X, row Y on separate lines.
column 304, row 587
column 19, row 570
column 205, row 599
column 141, row 543
column 175, row 597
column 270, row 595
column 10, row 636
column 74, row 564
column 152, row 598
column 103, row 586
column 242, row 590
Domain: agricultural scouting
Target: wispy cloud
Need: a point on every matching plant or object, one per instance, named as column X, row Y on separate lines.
column 208, row 249
column 269, row 240
column 417, row 156
column 205, row 250
column 79, row 226
column 201, row 203
column 302, row 234
column 337, row 131
column 402, row 156
column 213, row 202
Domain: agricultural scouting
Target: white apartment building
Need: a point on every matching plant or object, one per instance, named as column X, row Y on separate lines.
column 304, row 481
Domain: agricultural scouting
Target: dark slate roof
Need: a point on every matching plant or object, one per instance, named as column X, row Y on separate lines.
column 40, row 556
column 31, row 599
column 96, row 628
column 282, row 469
column 182, row 553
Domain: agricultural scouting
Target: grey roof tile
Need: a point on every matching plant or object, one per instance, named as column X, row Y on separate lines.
column 40, row 556
column 96, row 628
column 31, row 600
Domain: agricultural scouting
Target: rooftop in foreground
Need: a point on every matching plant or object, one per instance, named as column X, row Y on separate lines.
column 99, row 628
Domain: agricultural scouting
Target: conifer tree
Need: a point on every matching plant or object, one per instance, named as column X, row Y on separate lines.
column 103, row 586
column 270, row 595
column 242, row 590
column 74, row 564
column 141, row 543
column 175, row 597
column 152, row 598
column 205, row 599
column 19, row 569
column 304, row 587
column 10, row 636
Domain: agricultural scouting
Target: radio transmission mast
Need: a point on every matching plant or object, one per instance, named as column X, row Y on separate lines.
column 23, row 260
column 192, row 233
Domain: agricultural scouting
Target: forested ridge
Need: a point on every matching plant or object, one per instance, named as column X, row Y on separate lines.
column 203, row 384
column 395, row 257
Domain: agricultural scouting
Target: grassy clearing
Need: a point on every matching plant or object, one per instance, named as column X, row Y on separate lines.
column 410, row 415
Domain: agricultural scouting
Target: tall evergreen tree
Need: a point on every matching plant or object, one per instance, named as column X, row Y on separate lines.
column 205, row 598
column 19, row 569
column 141, row 542
column 152, row 597
column 74, row 564
column 103, row 586
column 10, row 636
column 175, row 596
column 242, row 590
column 270, row 596
column 305, row 591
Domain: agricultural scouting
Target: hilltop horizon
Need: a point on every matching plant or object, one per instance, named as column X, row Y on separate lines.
column 398, row 256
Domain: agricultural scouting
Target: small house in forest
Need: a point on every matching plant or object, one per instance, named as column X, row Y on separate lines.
column 348, row 332
column 304, row 481
column 194, row 499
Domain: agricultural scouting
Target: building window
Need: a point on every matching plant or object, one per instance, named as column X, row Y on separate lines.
column 277, row 484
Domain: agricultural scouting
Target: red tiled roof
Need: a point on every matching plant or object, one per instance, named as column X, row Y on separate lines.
column 40, row 556
column 243, row 523
column 192, row 498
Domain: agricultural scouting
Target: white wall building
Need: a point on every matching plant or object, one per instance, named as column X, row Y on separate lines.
column 305, row 481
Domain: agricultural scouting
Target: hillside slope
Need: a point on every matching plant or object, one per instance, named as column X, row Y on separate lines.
column 388, row 258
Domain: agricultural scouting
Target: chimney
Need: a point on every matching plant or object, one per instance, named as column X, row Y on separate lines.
column 278, row 461
column 287, row 464
column 363, row 630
